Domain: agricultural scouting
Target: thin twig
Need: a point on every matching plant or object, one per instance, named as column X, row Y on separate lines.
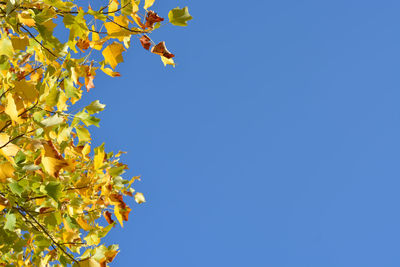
column 123, row 27
column 13, row 139
column 34, row 38
column 48, row 234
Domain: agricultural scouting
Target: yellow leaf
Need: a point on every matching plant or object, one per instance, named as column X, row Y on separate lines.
column 62, row 102
column 110, row 72
column 117, row 31
column 135, row 7
column 13, row 107
column 167, row 61
column 85, row 226
column 26, row 90
column 118, row 214
column 26, row 19
column 19, row 43
column 50, row 25
column 148, row 3
column 138, row 21
column 98, row 157
column 85, row 151
column 113, row 54
column 139, row 198
column 44, row 261
column 133, row 179
column 92, row 239
column 10, row 150
column 70, row 236
column 113, row 7
column 96, row 42
column 52, row 161
column 89, row 263
column 6, row 171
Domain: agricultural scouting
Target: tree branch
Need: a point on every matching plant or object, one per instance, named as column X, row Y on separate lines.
column 48, row 234
column 34, row 38
column 123, row 27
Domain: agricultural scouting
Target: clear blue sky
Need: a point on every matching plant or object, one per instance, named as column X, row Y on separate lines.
column 274, row 142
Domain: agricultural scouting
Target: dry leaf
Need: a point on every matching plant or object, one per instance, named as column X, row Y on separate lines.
column 145, row 41
column 161, row 49
column 152, row 18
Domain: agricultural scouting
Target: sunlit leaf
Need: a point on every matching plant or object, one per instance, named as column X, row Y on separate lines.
column 179, row 16
column 113, row 54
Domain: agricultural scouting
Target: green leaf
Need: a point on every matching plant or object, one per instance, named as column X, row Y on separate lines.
column 42, row 242
column 53, row 189
column 11, row 220
column 20, row 157
column 53, row 96
column 51, row 121
column 83, row 134
column 179, row 17
column 116, row 171
column 95, row 107
column 30, row 167
column 16, row 188
column 84, row 117
column 6, row 47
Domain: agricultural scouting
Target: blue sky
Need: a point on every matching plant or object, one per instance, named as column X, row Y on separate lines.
column 274, row 142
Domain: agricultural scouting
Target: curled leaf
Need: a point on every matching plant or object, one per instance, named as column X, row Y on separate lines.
column 139, row 198
column 107, row 215
column 83, row 44
column 161, row 49
column 152, row 18
column 145, row 41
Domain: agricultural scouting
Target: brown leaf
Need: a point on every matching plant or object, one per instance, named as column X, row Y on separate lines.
column 45, row 210
column 107, row 215
column 125, row 213
column 152, row 18
column 83, row 44
column 119, row 199
column 145, row 41
column 161, row 49
column 89, row 82
column 89, row 78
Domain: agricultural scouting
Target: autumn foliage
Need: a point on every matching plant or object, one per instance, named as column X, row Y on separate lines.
column 59, row 196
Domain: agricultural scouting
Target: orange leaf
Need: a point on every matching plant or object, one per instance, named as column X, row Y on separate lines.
column 145, row 41
column 89, row 82
column 83, row 44
column 107, row 215
column 152, row 18
column 161, row 49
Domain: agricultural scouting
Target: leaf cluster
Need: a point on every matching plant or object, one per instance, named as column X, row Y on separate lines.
column 54, row 187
